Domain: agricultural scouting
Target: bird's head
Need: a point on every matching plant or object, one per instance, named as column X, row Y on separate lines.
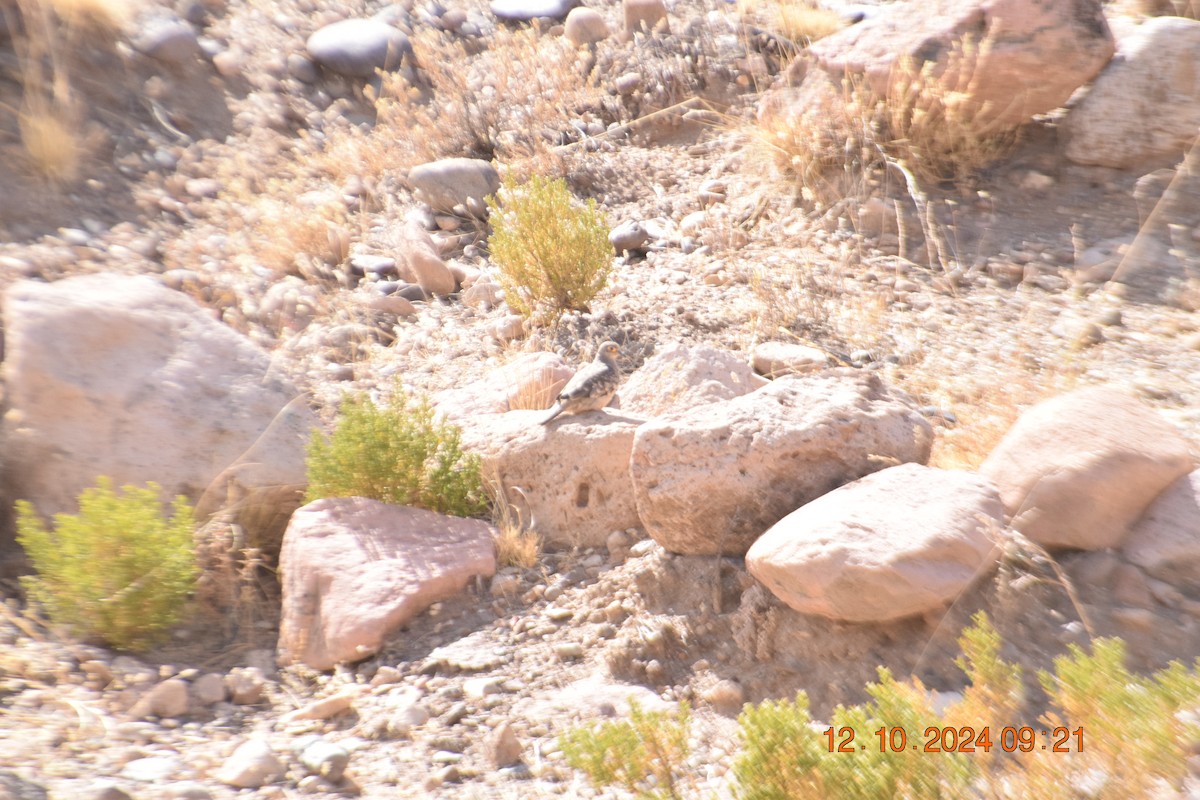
column 608, row 351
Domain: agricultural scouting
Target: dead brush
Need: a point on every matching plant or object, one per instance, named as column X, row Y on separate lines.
column 517, row 544
column 507, row 102
column 238, row 589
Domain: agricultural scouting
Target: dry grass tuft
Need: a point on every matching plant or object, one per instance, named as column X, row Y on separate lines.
column 92, row 15
column 517, row 545
column 802, row 21
column 53, row 145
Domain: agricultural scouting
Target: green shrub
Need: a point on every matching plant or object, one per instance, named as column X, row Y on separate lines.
column 784, row 756
column 118, row 571
column 645, row 753
column 397, row 454
column 553, row 255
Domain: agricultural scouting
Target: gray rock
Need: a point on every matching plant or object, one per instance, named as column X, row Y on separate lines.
column 323, row 757
column 252, row 765
column 245, row 685
column 585, row 26
column 358, row 47
column 209, row 689
column 629, row 235
column 167, row 39
column 14, row 787
column 450, row 182
column 167, row 699
column 527, row 10
column 153, row 769
column 504, row 748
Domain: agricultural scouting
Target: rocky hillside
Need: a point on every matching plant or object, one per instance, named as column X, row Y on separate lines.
column 906, row 312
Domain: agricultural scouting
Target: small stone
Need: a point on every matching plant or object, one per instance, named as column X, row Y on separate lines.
column 478, row 688
column 105, row 791
column 167, row 699
column 628, row 83
column 617, row 543
column 209, row 689
column 504, row 748
column 188, row 791
column 483, row 295
column 252, row 765
column 508, row 328
column 629, row 235
column 451, row 182
column 245, row 685
column 325, row 758
column 153, row 769
column 585, row 26
column 358, row 47
column 506, row 585
column 646, row 15
column 528, row 10
column 568, row 650
column 167, row 39
column 409, row 716
column 326, row 707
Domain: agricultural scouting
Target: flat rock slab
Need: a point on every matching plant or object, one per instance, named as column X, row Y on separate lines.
column 1077, row 470
column 713, row 478
column 904, row 541
column 354, row 570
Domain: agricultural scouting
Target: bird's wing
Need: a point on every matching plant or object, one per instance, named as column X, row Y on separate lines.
column 580, row 385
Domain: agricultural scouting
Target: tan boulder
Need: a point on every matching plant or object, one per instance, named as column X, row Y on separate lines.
column 120, row 376
column 1077, row 470
column 529, row 381
column 711, row 479
column 1166, row 540
column 904, row 541
column 354, row 570
column 677, row 378
column 1144, row 108
column 569, row 481
column 1026, row 57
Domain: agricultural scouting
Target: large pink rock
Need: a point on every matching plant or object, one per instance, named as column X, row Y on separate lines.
column 1166, row 540
column 712, row 478
column 1077, row 470
column 904, row 541
column 354, row 570
column 1022, row 57
column 569, row 481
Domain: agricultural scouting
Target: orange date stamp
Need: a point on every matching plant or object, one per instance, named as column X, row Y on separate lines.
column 937, row 739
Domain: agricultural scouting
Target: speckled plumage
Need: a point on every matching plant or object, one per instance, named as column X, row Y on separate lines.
column 592, row 387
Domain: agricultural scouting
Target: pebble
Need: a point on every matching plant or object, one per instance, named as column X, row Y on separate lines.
column 245, row 685
column 322, row 757
column 326, row 707
column 503, row 746
column 167, row 699
column 628, row 83
column 167, row 39
column 476, row 688
column 409, row 716
column 209, row 689
column 152, row 769
column 506, row 585
column 358, row 47
column 105, row 791
column 188, row 791
column 726, row 696
column 585, row 26
column 252, row 765
column 644, row 14
column 567, row 651
column 529, row 10
column 629, row 235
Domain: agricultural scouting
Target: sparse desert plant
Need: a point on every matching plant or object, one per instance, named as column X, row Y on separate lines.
column 553, row 253
column 644, row 754
column 1094, row 698
column 517, row 545
column 801, row 22
column 398, row 453
column 118, row 570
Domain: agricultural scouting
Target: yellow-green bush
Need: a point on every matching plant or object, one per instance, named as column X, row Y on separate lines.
column 397, row 454
column 645, row 754
column 553, row 254
column 118, row 571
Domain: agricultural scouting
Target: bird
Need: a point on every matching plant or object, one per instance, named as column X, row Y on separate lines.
column 591, row 387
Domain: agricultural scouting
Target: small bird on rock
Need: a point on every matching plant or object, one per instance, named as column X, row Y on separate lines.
column 592, row 387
